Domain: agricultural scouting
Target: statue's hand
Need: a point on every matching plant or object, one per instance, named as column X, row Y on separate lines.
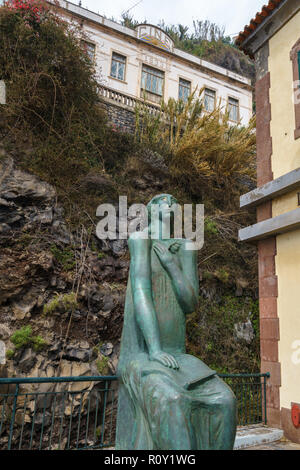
column 175, row 247
column 165, row 359
column 164, row 254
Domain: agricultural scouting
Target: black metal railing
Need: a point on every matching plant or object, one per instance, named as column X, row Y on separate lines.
column 251, row 393
column 57, row 413
column 64, row 413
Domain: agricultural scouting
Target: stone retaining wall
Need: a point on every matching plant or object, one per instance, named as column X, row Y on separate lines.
column 121, row 117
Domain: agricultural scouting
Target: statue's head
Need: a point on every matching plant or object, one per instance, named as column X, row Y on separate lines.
column 164, row 202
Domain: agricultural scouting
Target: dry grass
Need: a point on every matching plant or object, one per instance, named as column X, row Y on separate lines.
column 201, row 148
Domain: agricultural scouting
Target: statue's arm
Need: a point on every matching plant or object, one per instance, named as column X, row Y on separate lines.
column 140, row 277
column 189, row 263
column 184, row 276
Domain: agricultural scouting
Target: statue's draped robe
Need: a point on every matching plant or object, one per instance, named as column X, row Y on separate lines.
column 162, row 408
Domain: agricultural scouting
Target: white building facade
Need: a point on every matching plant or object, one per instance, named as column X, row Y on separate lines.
column 143, row 64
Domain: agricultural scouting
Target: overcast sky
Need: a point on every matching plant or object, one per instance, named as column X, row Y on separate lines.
column 233, row 14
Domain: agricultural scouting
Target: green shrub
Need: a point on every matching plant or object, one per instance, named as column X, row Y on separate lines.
column 211, row 333
column 10, row 354
column 222, row 275
column 53, row 100
column 66, row 258
column 210, row 227
column 38, row 343
column 23, row 338
column 61, row 303
column 102, row 365
column 203, row 149
column 208, row 276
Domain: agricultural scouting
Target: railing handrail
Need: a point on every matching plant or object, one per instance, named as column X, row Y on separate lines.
column 134, row 99
column 39, row 380
column 128, row 95
column 266, row 374
column 109, row 378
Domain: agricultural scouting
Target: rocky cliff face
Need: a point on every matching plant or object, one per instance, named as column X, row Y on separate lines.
column 62, row 291
column 62, row 296
column 55, row 284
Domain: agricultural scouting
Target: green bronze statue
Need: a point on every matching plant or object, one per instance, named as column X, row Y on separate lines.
column 168, row 400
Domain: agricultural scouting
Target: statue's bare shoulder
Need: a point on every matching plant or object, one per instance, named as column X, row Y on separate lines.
column 138, row 241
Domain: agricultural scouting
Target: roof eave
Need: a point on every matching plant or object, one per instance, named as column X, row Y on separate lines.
column 265, row 18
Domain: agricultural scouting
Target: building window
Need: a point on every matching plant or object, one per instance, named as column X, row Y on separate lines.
column 152, row 83
column 89, row 48
column 233, row 109
column 209, row 100
column 118, row 64
column 184, row 90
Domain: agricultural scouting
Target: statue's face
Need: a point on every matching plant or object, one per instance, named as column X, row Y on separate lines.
column 165, row 202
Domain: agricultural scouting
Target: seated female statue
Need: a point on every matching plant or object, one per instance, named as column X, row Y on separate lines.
column 168, row 400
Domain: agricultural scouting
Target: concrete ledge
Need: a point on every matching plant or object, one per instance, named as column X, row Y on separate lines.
column 268, row 228
column 250, row 436
column 115, row 103
column 275, row 188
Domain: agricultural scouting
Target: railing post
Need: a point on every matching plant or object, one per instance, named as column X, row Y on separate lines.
column 104, row 412
column 266, row 376
column 12, row 421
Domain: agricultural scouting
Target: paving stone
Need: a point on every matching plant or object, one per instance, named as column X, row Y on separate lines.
column 279, row 445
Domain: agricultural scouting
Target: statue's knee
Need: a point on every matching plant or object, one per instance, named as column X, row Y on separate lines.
column 228, row 401
column 174, row 398
column 134, row 367
column 224, row 398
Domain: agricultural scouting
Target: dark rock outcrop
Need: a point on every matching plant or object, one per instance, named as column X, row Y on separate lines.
column 35, row 243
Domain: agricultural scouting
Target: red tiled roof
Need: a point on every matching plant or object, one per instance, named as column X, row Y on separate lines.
column 255, row 22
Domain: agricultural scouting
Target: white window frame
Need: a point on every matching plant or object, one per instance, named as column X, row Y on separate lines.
column 181, row 79
column 151, row 95
column 113, row 58
column 85, row 44
column 209, row 89
column 238, row 108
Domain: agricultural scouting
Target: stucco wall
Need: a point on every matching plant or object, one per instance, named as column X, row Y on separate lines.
column 286, row 157
column 286, row 150
column 138, row 55
column 288, row 270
